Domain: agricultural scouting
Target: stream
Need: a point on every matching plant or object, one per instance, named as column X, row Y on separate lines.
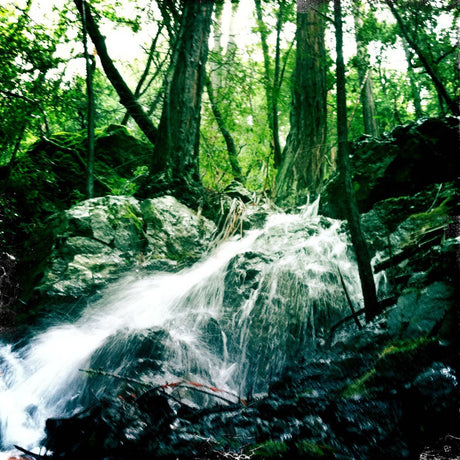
column 232, row 322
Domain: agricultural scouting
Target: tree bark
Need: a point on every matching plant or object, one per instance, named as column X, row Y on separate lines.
column 359, row 244
column 176, row 152
column 301, row 170
column 127, row 98
column 440, row 88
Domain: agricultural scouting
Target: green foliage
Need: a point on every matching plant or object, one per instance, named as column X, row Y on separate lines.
column 38, row 97
column 270, row 449
column 245, row 111
column 27, row 85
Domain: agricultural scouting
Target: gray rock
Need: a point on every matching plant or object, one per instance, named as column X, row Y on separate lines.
column 98, row 239
column 173, row 230
column 418, row 312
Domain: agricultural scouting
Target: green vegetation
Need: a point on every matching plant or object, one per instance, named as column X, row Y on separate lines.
column 159, row 129
column 270, row 449
column 395, row 364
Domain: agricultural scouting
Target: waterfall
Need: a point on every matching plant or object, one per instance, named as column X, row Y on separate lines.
column 234, row 320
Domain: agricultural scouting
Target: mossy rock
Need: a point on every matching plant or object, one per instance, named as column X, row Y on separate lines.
column 51, row 176
column 397, row 364
column 400, row 163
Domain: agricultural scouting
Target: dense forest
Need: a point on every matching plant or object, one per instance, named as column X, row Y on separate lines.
column 138, row 134
column 219, row 104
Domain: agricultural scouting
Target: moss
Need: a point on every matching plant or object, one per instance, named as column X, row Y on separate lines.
column 404, row 346
column 310, row 449
column 404, row 358
column 270, row 449
column 130, row 214
column 359, row 386
column 396, row 364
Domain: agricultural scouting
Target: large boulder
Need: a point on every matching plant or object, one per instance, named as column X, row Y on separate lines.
column 400, row 163
column 98, row 239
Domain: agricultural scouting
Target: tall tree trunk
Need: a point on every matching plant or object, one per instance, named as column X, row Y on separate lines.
column 301, row 170
column 230, row 143
column 176, row 151
column 364, row 73
column 415, row 89
column 232, row 29
column 277, row 80
column 124, row 93
column 359, row 244
column 440, row 88
column 271, row 84
column 90, row 110
column 215, row 65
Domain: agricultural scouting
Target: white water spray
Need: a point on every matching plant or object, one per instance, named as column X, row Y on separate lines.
column 232, row 321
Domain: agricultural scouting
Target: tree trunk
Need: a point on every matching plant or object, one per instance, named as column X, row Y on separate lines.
column 359, row 244
column 301, row 170
column 90, row 110
column 215, row 67
column 176, row 152
column 271, row 83
column 364, row 74
column 231, row 149
column 126, row 96
column 440, row 88
column 415, row 89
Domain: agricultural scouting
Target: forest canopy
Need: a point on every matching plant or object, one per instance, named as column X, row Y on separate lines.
column 224, row 90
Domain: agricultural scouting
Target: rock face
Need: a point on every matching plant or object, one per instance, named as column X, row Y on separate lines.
column 99, row 239
column 403, row 162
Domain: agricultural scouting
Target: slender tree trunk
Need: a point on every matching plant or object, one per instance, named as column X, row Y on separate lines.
column 231, row 149
column 215, row 68
column 277, row 80
column 301, row 170
column 359, row 244
column 91, row 103
column 364, row 74
column 413, row 83
column 145, row 73
column 440, row 88
column 271, row 83
column 231, row 44
column 178, row 140
column 126, row 96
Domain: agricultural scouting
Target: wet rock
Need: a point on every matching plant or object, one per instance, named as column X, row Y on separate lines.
column 419, row 312
column 112, row 429
column 174, row 230
column 98, row 239
column 371, row 429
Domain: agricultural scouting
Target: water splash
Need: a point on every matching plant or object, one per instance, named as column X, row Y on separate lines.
column 233, row 320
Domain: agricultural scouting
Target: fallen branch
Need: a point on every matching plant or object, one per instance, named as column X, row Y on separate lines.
column 353, row 313
column 428, row 239
column 195, row 386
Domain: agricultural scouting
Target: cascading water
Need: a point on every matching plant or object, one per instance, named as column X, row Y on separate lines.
column 233, row 321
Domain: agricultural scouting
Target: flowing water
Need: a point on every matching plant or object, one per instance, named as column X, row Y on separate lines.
column 233, row 320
